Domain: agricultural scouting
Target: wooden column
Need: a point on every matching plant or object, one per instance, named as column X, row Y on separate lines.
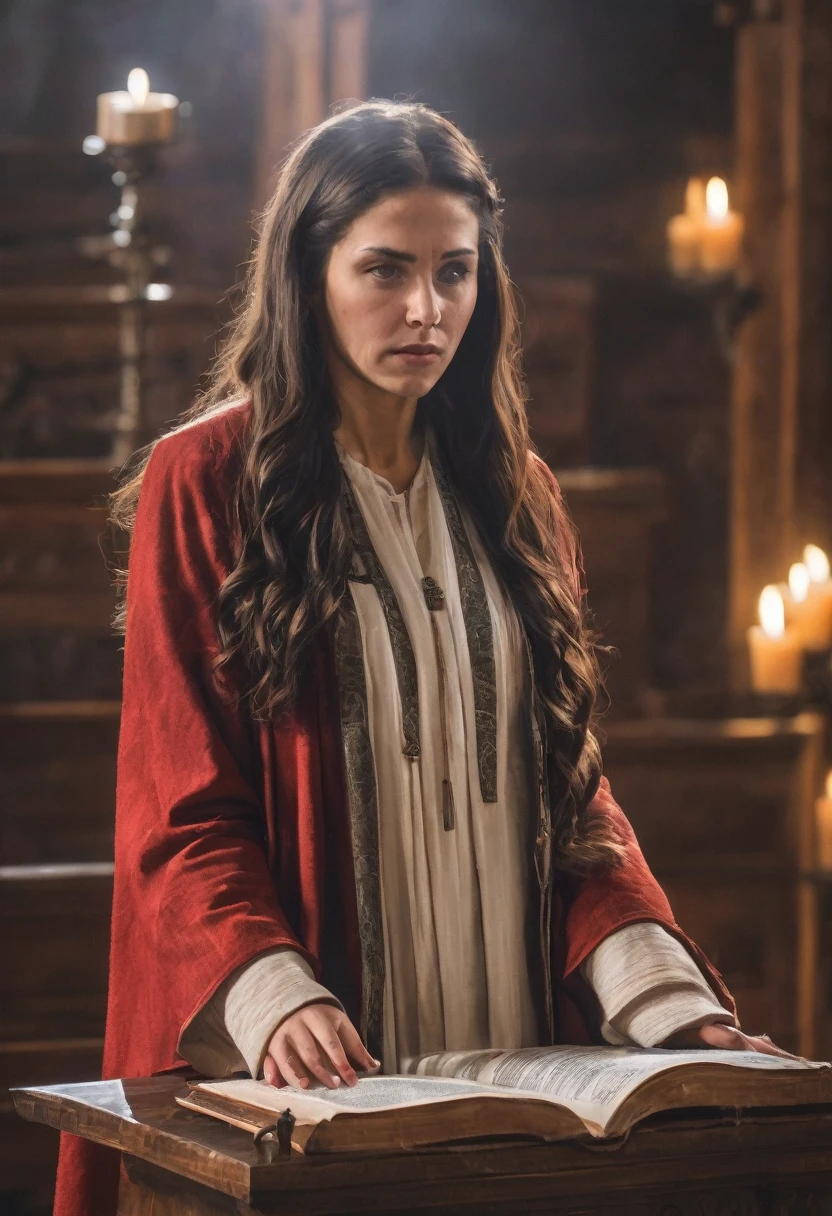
column 294, row 93
column 314, row 54
column 349, row 25
column 782, row 397
column 806, row 378
column 757, row 541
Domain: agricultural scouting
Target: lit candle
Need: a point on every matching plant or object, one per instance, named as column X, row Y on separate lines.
column 823, row 819
column 809, row 605
column 136, row 116
column 820, row 586
column 774, row 650
column 721, row 233
column 683, row 231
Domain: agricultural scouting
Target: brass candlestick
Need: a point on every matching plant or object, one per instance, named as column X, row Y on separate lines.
column 142, row 122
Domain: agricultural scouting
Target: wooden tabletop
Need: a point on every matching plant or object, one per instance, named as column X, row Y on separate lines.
column 703, row 1149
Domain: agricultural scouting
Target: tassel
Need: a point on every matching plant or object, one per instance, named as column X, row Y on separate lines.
column 448, row 810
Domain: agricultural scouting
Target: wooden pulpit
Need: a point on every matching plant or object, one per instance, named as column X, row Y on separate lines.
column 704, row 1163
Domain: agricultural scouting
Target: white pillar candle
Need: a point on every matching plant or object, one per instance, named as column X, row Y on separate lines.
column 721, row 235
column 136, row 116
column 774, row 651
column 820, row 585
column 683, row 230
column 809, row 609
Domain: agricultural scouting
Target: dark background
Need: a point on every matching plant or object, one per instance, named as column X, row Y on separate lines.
column 591, row 114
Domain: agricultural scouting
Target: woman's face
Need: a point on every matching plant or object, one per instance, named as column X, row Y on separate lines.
column 404, row 275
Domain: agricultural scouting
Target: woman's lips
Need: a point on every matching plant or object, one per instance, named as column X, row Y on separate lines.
column 416, row 358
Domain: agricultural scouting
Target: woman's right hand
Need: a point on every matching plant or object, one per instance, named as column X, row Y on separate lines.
column 320, row 1042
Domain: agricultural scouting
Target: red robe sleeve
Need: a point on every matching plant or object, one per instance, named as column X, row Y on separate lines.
column 593, row 907
column 194, row 897
column 590, row 909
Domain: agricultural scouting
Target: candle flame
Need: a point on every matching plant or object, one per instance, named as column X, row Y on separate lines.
column 772, row 612
column 138, row 86
column 799, row 582
column 829, row 784
column 695, row 198
column 817, row 563
column 716, row 199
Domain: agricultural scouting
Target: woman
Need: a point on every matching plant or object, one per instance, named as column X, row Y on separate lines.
column 360, row 811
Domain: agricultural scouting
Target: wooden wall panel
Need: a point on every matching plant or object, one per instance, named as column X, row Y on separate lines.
column 58, row 781
column 558, row 327
column 54, row 983
column 616, row 512
column 782, row 424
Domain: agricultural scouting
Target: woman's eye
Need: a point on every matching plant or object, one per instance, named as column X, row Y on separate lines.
column 454, row 272
column 385, row 272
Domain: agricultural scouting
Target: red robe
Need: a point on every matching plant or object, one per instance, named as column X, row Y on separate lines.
column 232, row 837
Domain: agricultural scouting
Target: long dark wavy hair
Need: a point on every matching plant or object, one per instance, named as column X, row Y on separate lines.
column 292, row 537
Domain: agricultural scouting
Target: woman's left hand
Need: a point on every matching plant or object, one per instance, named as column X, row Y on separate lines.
column 726, row 1038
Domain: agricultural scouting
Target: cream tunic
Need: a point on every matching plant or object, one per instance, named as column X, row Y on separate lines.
column 454, row 902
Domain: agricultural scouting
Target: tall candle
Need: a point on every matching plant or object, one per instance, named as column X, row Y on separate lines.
column 136, row 116
column 823, row 820
column 809, row 608
column 820, row 584
column 721, row 234
column 683, row 230
column 774, row 651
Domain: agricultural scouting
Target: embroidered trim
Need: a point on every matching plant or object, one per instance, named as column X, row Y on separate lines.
column 362, row 798
column 433, row 593
column 543, row 841
column 359, row 762
column 479, row 632
column 404, row 659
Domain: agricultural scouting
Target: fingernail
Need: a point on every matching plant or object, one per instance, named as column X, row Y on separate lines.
column 304, row 1082
column 377, row 1063
column 336, row 1081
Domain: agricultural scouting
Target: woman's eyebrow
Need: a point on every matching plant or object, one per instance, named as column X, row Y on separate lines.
column 400, row 255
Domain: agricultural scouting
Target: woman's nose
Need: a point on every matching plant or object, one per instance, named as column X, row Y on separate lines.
column 423, row 305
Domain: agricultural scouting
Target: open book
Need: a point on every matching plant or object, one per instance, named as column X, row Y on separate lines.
column 546, row 1093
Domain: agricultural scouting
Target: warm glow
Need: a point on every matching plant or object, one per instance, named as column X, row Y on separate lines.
column 138, row 86
column 158, row 291
column 817, row 563
column 829, row 784
column 772, row 612
column 716, row 199
column 695, row 198
column 799, row 582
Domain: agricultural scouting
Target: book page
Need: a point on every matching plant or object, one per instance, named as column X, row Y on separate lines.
column 591, row 1081
column 370, row 1094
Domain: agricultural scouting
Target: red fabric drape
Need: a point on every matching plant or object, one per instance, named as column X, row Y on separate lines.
column 233, row 838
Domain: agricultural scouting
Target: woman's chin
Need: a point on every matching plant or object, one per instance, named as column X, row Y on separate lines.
column 414, row 384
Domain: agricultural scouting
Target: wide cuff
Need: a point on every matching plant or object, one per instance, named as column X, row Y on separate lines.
column 231, row 1032
column 649, row 987
column 661, row 1014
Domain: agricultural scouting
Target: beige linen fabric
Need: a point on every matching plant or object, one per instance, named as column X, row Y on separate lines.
column 231, row 1032
column 649, row 987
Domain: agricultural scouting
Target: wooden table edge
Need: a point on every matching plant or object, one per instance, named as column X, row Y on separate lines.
column 508, row 1164
column 66, row 1114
